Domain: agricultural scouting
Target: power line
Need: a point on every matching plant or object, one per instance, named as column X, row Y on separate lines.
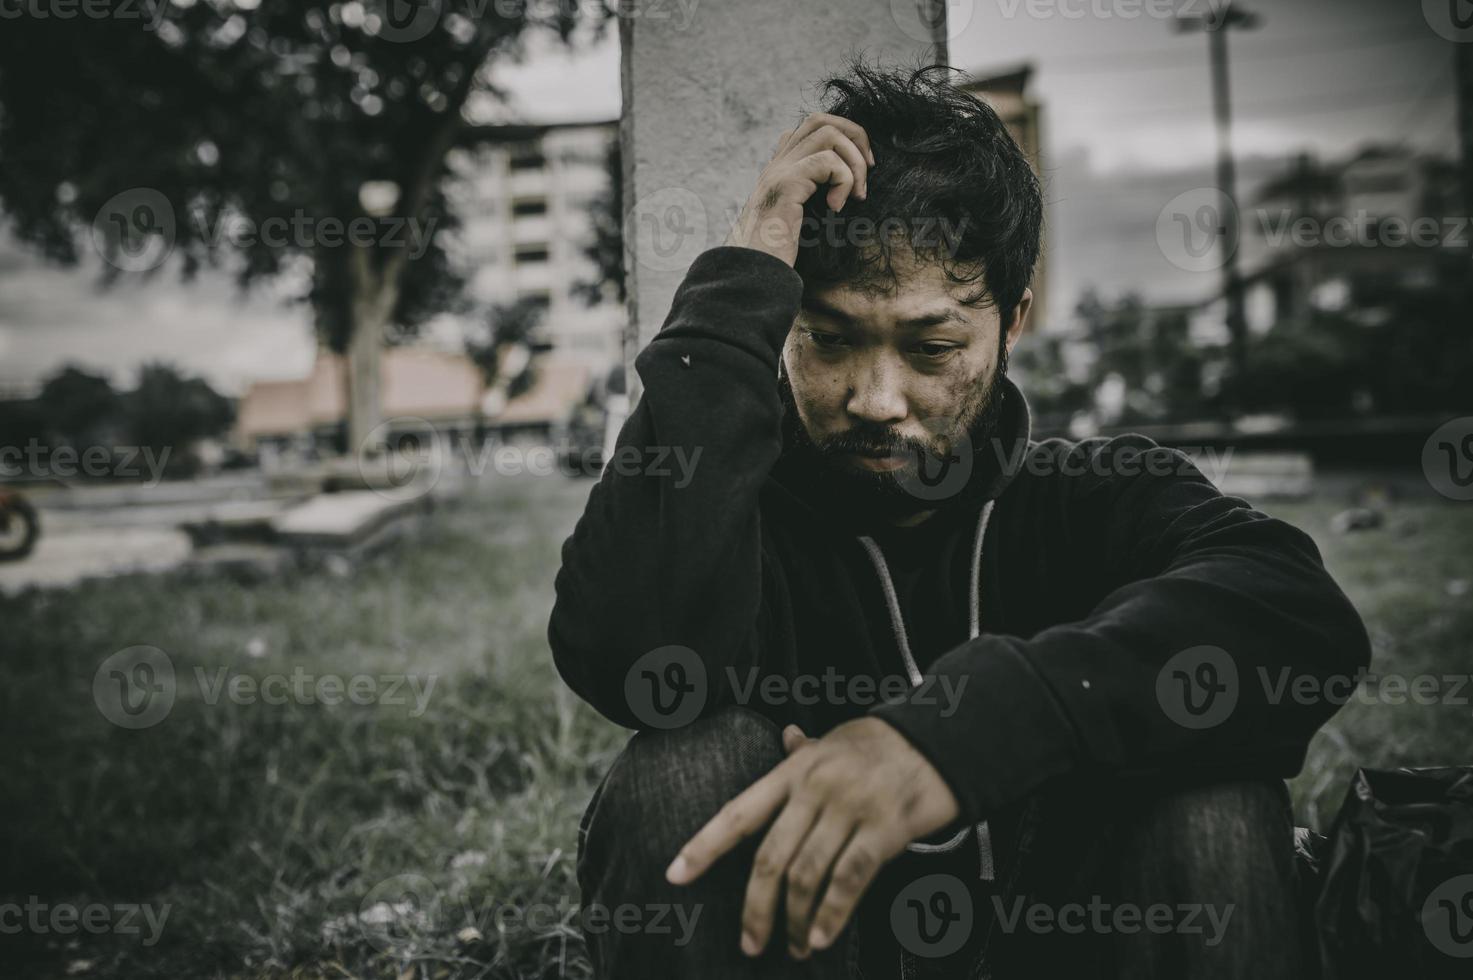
column 1424, row 100
column 1337, row 101
column 1159, row 58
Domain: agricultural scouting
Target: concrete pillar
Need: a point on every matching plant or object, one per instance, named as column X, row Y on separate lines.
column 707, row 88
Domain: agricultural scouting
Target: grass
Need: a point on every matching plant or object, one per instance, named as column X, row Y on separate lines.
column 1412, row 581
column 266, row 828
column 261, row 825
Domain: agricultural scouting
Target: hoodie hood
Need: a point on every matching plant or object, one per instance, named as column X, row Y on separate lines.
column 990, row 466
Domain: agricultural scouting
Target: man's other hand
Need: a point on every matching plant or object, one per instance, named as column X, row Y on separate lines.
column 844, row 805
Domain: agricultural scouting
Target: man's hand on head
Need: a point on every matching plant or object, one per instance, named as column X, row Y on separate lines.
column 821, row 150
column 844, row 805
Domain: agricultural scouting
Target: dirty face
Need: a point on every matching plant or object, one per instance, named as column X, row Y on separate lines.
column 879, row 378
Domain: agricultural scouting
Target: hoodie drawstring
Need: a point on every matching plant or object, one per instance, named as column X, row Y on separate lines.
column 987, row 869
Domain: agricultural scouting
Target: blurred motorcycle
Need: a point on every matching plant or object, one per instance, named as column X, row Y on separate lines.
column 19, row 525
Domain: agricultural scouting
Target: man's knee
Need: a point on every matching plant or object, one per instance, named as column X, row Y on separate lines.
column 666, row 784
column 1220, row 834
column 1221, row 858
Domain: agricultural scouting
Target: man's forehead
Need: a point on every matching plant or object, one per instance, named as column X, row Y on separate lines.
column 918, row 296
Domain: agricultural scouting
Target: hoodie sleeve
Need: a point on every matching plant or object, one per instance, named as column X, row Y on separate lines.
column 1212, row 613
column 668, row 550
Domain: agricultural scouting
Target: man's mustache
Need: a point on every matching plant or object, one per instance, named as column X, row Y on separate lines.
column 867, row 442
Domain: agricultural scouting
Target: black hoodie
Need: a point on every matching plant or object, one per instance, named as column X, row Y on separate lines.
column 1111, row 578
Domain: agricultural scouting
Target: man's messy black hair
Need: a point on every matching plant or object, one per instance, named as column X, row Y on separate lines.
column 940, row 153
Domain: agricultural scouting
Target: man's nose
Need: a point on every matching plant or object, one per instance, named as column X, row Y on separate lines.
column 876, row 392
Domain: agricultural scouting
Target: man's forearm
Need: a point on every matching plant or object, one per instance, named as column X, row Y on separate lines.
column 672, row 555
column 1208, row 589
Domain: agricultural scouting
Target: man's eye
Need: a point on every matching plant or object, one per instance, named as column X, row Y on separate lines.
column 825, row 339
column 936, row 351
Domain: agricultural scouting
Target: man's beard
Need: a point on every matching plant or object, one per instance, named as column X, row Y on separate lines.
column 892, row 496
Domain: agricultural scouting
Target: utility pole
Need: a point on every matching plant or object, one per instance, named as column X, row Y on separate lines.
column 1221, row 19
column 1464, row 70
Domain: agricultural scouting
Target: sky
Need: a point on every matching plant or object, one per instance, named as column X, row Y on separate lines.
column 1127, row 124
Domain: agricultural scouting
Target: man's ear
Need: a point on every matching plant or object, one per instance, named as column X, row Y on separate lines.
column 1020, row 318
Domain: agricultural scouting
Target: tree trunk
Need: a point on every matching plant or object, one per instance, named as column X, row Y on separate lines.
column 374, row 294
column 365, row 355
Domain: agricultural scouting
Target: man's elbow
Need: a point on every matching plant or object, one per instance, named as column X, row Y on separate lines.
column 588, row 661
column 1335, row 658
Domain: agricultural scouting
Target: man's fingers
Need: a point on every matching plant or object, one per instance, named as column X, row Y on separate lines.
column 855, row 868
column 848, row 127
column 808, row 870
column 827, row 167
column 782, row 141
column 794, row 739
column 831, row 138
column 741, row 816
column 768, row 867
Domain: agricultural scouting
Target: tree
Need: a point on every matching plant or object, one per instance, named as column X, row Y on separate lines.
column 1149, row 350
column 290, row 134
column 170, row 411
column 504, row 350
column 606, row 250
column 76, row 407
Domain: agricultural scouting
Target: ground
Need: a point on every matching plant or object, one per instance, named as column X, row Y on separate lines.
column 262, row 829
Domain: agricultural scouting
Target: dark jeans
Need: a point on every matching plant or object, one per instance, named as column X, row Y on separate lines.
column 1179, row 882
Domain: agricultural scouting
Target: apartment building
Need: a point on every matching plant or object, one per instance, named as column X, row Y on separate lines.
column 524, row 194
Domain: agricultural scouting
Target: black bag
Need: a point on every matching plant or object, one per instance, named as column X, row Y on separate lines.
column 1396, row 890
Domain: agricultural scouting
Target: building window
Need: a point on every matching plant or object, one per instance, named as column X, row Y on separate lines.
column 527, row 207
column 531, row 254
column 537, row 297
column 523, row 160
